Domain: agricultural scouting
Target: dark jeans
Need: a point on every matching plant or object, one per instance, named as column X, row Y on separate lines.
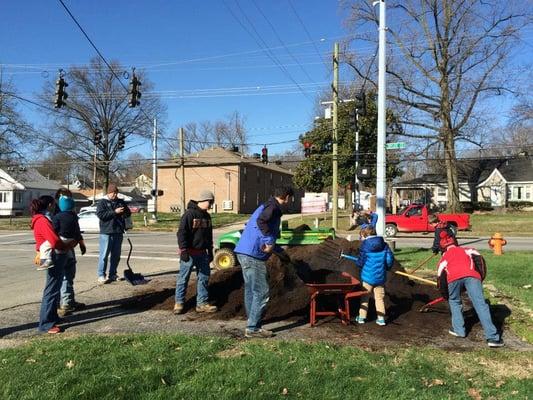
column 67, row 287
column 54, row 277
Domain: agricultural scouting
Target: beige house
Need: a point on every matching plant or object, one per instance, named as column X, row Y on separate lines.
column 240, row 183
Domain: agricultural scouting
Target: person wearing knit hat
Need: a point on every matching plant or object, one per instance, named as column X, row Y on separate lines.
column 66, row 225
column 195, row 242
column 112, row 211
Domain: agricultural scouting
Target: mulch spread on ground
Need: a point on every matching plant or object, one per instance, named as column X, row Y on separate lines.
column 289, row 295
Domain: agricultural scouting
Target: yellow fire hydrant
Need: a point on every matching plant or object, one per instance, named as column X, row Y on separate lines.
column 496, row 243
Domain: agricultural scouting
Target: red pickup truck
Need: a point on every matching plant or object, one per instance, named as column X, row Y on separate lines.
column 414, row 218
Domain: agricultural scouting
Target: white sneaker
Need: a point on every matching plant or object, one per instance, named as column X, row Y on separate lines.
column 102, row 280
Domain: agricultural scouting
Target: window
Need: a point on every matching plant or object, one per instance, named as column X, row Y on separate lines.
column 3, row 197
column 244, row 174
column 257, row 199
column 258, row 178
column 528, row 192
column 517, row 192
column 17, row 197
column 441, row 191
column 244, row 198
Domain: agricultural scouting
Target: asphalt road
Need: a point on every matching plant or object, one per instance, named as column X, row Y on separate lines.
column 154, row 253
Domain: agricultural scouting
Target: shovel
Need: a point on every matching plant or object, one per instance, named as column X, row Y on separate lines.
column 130, row 276
column 424, row 262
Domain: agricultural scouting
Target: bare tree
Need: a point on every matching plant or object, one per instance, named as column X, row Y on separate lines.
column 14, row 131
column 446, row 57
column 97, row 99
column 200, row 136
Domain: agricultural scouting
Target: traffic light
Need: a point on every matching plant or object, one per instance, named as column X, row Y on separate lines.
column 134, row 92
column 97, row 138
column 121, row 141
column 264, row 155
column 307, row 149
column 61, row 94
column 154, row 192
column 360, row 103
column 353, row 119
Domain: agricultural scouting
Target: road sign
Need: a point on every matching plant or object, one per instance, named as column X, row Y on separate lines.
column 394, row 146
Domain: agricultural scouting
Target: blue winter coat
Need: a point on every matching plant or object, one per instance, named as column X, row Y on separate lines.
column 262, row 228
column 375, row 259
column 373, row 221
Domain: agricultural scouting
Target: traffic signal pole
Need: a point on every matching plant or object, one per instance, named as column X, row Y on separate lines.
column 357, row 193
column 335, row 194
column 381, row 162
column 182, row 159
column 154, row 171
column 94, row 173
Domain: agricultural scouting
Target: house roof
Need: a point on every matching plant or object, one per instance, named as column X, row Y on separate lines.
column 30, row 178
column 518, row 169
column 218, row 156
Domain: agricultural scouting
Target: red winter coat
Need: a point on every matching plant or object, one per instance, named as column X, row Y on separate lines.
column 457, row 262
column 43, row 231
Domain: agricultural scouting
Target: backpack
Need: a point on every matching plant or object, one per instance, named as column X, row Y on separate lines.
column 480, row 265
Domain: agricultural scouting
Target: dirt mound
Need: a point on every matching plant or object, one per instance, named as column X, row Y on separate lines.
column 288, row 293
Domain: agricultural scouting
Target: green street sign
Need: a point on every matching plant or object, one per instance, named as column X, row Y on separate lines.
column 395, row 146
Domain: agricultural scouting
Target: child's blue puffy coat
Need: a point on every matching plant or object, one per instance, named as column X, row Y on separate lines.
column 375, row 259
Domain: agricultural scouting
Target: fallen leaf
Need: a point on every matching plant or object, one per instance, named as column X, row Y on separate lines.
column 163, row 381
column 31, row 360
column 435, row 382
column 500, row 384
column 514, row 392
column 70, row 364
column 474, row 393
column 526, row 287
column 178, row 349
column 285, row 392
column 261, row 383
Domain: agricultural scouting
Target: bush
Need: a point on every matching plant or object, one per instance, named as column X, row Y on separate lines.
column 518, row 205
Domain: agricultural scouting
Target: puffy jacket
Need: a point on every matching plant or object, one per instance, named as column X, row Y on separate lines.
column 261, row 229
column 372, row 222
column 43, row 231
column 111, row 222
column 196, row 230
column 375, row 259
column 457, row 262
column 66, row 224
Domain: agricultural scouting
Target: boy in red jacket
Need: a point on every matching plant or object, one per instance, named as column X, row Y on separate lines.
column 456, row 268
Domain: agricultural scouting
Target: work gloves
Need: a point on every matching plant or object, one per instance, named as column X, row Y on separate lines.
column 184, row 256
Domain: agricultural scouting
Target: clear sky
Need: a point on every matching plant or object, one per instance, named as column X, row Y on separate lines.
column 187, row 47
column 201, row 59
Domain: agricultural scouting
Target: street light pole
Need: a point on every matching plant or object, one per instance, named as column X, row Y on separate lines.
column 154, row 171
column 335, row 197
column 94, row 174
column 382, row 112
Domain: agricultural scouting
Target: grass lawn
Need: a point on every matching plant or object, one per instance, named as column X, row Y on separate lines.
column 170, row 221
column 510, row 274
column 195, row 367
column 166, row 221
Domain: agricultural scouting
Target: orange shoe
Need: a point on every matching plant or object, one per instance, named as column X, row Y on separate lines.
column 55, row 330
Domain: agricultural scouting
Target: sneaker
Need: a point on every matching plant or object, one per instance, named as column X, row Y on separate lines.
column 495, row 343
column 102, row 280
column 54, row 330
column 63, row 311
column 114, row 278
column 360, row 320
column 206, row 308
column 451, row 332
column 381, row 321
column 260, row 333
column 178, row 308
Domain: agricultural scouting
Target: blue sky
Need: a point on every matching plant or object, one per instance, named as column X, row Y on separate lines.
column 186, row 45
column 195, row 52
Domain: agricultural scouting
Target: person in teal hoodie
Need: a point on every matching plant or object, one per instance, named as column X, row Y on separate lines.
column 257, row 242
column 375, row 259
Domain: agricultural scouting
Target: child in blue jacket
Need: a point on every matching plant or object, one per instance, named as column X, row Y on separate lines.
column 375, row 259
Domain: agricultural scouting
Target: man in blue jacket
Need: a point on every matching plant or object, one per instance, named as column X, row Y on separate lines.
column 255, row 246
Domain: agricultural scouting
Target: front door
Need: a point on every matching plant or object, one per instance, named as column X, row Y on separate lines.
column 496, row 196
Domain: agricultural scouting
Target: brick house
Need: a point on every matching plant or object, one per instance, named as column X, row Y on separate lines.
column 239, row 183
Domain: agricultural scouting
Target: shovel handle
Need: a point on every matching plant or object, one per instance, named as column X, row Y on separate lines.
column 416, row 278
column 424, row 262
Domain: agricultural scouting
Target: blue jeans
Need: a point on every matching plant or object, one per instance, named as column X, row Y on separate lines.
column 110, row 246
column 256, row 290
column 67, row 286
column 474, row 288
column 202, row 272
column 54, row 277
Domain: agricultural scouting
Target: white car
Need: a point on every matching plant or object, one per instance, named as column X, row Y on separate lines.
column 88, row 208
column 89, row 222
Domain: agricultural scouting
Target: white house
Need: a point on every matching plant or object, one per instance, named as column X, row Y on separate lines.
column 19, row 185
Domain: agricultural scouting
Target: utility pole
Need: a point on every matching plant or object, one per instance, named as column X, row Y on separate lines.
column 335, row 86
column 182, row 159
column 94, row 174
column 381, row 189
column 154, row 171
column 357, row 193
